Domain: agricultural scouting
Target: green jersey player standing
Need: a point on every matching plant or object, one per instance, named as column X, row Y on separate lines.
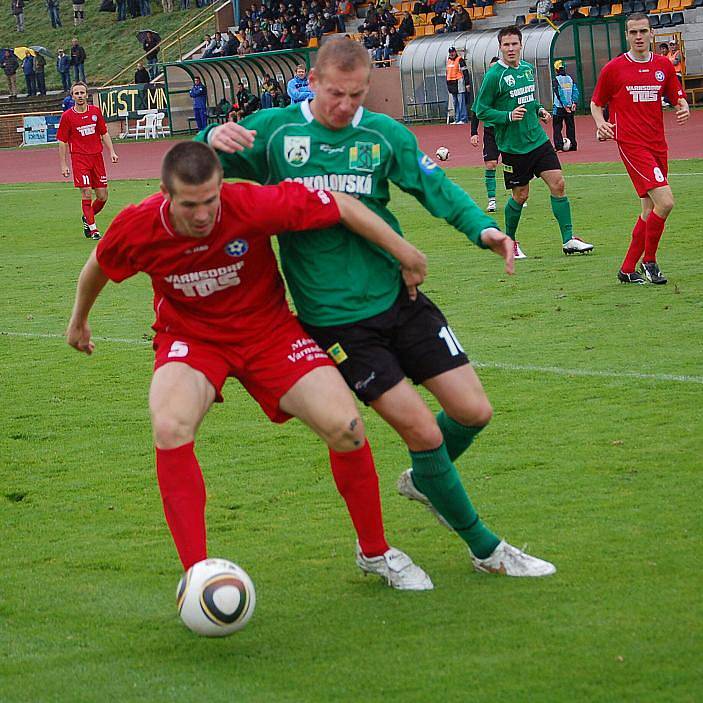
column 350, row 297
column 507, row 102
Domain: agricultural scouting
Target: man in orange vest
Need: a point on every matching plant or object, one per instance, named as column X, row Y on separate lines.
column 677, row 60
column 458, row 84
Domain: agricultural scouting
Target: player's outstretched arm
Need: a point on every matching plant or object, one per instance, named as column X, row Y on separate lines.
column 91, row 281
column 502, row 245
column 604, row 129
column 359, row 219
column 231, row 137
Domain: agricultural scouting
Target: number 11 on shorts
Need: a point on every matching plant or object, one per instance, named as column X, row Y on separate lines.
column 451, row 341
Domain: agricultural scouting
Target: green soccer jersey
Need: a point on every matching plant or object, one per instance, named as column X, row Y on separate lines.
column 334, row 276
column 503, row 89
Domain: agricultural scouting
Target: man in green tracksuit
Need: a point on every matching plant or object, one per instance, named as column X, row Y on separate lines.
column 507, row 102
column 349, row 296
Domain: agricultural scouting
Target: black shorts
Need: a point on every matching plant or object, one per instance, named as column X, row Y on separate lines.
column 490, row 148
column 411, row 339
column 520, row 169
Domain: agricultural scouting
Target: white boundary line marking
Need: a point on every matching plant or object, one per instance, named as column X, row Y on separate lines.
column 554, row 370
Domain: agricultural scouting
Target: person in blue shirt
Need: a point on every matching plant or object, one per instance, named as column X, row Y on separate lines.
column 298, row 88
column 67, row 103
column 565, row 99
column 199, row 94
column 63, row 66
column 29, row 75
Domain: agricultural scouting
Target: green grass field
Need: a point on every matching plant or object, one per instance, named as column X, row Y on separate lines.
column 593, row 459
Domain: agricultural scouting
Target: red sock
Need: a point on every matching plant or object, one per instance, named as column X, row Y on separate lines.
column 87, row 206
column 655, row 229
column 634, row 253
column 357, row 482
column 98, row 205
column 183, row 495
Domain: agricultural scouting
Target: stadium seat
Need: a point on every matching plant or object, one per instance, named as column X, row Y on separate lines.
column 665, row 21
column 603, row 10
column 674, row 5
column 520, row 20
column 654, row 21
column 638, row 6
column 488, row 11
column 662, row 6
column 650, row 5
column 627, row 7
column 616, row 9
column 697, row 3
column 594, row 11
column 685, row 4
column 677, row 18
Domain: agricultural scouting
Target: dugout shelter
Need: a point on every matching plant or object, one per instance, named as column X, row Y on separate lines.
column 586, row 45
column 220, row 77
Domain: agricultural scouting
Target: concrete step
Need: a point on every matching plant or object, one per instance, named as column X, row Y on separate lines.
column 24, row 104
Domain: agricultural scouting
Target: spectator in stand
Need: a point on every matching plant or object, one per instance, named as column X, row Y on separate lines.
column 270, row 41
column 395, row 41
column 215, row 48
column 151, row 50
column 663, row 49
column 185, row 4
column 78, row 14
column 121, row 7
column 68, row 102
column 10, row 64
column 246, row 102
column 145, row 7
column 134, row 7
column 199, row 95
column 313, row 28
column 29, row 76
column 78, row 57
column 345, row 13
column 231, row 45
column 371, row 22
column 406, row 28
column 167, row 6
column 246, row 21
column 40, row 81
column 382, row 52
column 141, row 75
column 386, row 18
column 298, row 87
column 54, row 15
column 225, row 110
column 441, row 6
column 17, row 9
column 63, row 68
column 294, row 40
column 244, row 48
column 677, row 59
column 462, row 20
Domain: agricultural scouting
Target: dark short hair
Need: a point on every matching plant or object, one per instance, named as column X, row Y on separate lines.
column 192, row 163
column 636, row 17
column 509, row 31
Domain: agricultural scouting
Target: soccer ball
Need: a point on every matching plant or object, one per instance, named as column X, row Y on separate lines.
column 215, row 598
column 442, row 153
column 567, row 144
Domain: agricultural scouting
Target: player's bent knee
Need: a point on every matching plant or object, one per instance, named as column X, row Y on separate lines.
column 345, row 435
column 170, row 431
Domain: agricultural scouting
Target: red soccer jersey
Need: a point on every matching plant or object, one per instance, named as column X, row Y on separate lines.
column 82, row 130
column 633, row 91
column 223, row 287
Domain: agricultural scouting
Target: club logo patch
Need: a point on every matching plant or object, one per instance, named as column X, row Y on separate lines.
column 296, row 150
column 659, row 75
column 510, row 80
column 237, row 247
column 336, row 353
column 426, row 164
column 94, row 118
column 365, row 156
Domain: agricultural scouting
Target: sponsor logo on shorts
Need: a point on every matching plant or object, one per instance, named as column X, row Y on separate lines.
column 296, row 150
column 237, row 247
column 360, row 385
column 337, row 354
column 507, row 168
column 305, row 349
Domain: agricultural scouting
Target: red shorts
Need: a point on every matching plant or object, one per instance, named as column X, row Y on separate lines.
column 267, row 369
column 648, row 169
column 88, row 171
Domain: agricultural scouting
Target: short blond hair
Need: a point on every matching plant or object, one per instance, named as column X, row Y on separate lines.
column 342, row 53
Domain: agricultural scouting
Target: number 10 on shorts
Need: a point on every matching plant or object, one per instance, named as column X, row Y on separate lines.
column 451, row 341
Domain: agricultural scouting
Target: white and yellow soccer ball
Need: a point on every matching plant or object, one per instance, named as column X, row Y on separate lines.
column 567, row 144
column 215, row 598
column 442, row 153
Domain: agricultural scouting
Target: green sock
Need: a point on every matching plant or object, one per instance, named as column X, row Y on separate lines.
column 490, row 178
column 457, row 437
column 512, row 217
column 562, row 211
column 435, row 476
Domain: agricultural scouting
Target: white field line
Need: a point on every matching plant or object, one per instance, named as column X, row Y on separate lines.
column 553, row 370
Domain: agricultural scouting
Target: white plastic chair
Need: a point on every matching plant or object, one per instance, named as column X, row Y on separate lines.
column 160, row 130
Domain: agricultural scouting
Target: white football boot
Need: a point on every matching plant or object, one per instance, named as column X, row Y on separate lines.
column 575, row 245
column 511, row 561
column 491, row 205
column 396, row 568
column 407, row 488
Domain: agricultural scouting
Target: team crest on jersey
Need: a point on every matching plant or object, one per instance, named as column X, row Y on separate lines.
column 296, row 150
column 94, row 118
column 237, row 247
column 365, row 156
column 510, row 80
column 659, row 75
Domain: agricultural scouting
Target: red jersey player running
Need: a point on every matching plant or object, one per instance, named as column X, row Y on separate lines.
column 83, row 130
column 633, row 85
column 221, row 311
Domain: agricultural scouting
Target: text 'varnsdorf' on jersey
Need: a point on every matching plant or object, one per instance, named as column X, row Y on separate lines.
column 633, row 92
